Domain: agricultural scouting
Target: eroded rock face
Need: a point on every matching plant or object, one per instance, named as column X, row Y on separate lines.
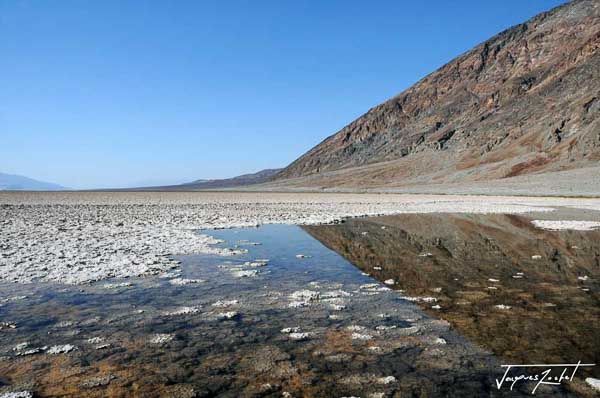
column 526, row 100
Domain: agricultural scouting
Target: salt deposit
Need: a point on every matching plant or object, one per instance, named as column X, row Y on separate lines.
column 61, row 349
column 182, row 311
column 594, row 383
column 78, row 238
column 566, row 224
column 161, row 338
column 183, row 282
column 227, row 315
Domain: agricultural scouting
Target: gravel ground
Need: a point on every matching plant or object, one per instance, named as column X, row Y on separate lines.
column 81, row 237
column 574, row 183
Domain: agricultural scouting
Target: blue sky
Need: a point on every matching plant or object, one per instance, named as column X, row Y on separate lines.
column 120, row 93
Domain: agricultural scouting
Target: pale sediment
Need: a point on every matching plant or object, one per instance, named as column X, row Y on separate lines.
column 558, row 225
column 79, row 238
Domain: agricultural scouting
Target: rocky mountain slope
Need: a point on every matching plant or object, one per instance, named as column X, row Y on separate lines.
column 13, row 182
column 526, row 101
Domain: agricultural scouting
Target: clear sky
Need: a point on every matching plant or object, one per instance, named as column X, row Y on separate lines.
column 120, row 93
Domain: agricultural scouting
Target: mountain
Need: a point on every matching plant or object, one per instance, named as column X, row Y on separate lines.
column 242, row 180
column 13, row 182
column 527, row 101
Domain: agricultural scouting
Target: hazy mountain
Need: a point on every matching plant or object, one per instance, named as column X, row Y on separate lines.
column 526, row 101
column 20, row 183
column 241, row 180
column 238, row 181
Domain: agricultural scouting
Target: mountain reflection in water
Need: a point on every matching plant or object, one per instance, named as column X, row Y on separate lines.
column 528, row 295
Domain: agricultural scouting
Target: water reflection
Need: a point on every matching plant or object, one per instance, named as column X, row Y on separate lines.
column 529, row 295
column 313, row 326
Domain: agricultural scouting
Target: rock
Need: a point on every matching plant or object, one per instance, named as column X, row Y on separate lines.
column 389, row 282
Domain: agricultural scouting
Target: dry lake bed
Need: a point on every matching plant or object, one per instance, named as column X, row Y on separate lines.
column 297, row 295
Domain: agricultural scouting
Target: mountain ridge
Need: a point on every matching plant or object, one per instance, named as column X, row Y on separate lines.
column 224, row 183
column 15, row 182
column 525, row 101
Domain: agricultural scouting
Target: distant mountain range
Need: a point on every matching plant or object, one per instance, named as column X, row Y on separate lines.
column 13, row 182
column 238, row 181
column 244, row 179
column 527, row 101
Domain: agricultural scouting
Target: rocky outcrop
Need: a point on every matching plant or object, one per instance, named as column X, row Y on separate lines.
column 525, row 101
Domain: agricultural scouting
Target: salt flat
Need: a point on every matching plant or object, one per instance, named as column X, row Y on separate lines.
column 81, row 237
